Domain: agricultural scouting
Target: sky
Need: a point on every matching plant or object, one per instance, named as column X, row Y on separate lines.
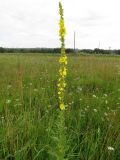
column 34, row 23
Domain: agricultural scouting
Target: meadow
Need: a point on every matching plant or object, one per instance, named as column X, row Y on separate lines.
column 29, row 107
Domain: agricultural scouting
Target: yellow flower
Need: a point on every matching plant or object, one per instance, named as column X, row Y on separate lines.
column 61, row 89
column 63, row 72
column 63, row 60
column 62, row 106
column 58, row 84
column 60, row 98
column 64, row 84
column 62, row 30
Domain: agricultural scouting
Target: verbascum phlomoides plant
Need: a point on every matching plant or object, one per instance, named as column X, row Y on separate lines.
column 63, row 60
column 59, row 144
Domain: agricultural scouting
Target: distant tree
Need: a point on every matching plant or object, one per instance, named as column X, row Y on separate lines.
column 2, row 50
column 97, row 51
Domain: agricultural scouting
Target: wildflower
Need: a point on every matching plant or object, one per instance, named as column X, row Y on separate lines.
column 62, row 30
column 95, row 110
column 35, row 90
column 110, row 148
column 98, row 130
column 62, row 106
column 106, row 102
column 63, row 72
column 63, row 60
column 105, row 114
column 58, row 84
column 64, row 84
column 8, row 101
column 61, row 89
column 60, row 98
column 59, row 92
column 2, row 117
column 79, row 88
column 94, row 96
column 105, row 95
column 88, row 107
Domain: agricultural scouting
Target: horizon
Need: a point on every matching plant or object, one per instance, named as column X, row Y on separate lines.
column 58, row 48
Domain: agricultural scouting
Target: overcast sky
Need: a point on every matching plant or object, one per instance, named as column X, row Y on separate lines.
column 34, row 23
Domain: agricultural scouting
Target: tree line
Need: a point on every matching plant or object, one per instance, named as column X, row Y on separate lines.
column 57, row 50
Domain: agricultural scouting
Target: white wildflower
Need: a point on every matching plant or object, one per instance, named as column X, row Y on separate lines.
column 95, row 110
column 2, row 117
column 105, row 95
column 106, row 102
column 105, row 114
column 98, row 130
column 79, row 88
column 94, row 96
column 35, row 90
column 88, row 106
column 8, row 101
column 110, row 148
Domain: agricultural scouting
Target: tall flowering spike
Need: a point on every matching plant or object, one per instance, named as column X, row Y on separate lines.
column 62, row 60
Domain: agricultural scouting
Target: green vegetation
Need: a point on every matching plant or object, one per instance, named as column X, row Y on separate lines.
column 29, row 107
column 57, row 50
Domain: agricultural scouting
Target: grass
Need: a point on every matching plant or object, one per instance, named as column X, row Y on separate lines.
column 29, row 107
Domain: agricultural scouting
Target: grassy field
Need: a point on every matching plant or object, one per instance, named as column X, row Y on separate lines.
column 29, row 107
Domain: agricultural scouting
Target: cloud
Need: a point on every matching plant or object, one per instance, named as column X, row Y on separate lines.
column 34, row 23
